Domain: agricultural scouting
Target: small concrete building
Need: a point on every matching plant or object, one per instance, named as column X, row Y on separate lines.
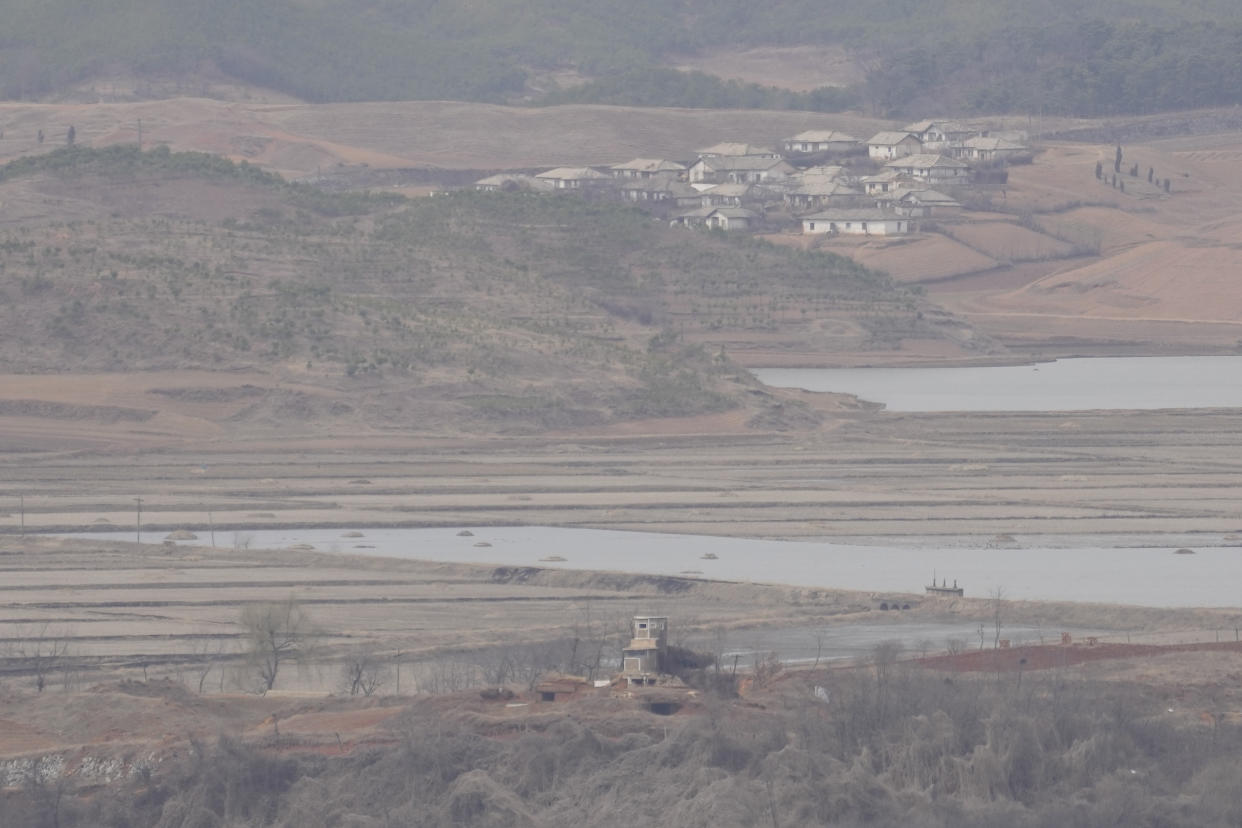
column 933, row 169
column 735, row 149
column 991, row 149
column 919, row 203
column 738, row 169
column 574, row 178
column 647, row 168
column 884, row 146
column 862, row 221
column 820, row 140
column 642, row 660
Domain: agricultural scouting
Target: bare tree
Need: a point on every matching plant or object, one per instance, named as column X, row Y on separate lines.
column 276, row 633
column 363, row 671
column 997, row 597
column 207, row 654
column 41, row 653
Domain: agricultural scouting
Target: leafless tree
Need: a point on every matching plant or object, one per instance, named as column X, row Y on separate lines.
column 363, row 671
column 997, row 597
column 42, row 652
column 208, row 653
column 276, row 633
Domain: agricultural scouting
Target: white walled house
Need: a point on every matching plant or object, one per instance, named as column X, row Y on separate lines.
column 739, row 169
column 734, row 149
column 717, row 218
column 991, row 149
column 820, row 140
column 919, row 203
column 647, row 168
column 884, row 146
column 574, row 178
column 817, row 192
column 933, row 169
column 861, row 221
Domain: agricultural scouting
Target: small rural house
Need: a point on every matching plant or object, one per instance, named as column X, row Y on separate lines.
column 830, row 171
column 666, row 189
column 990, row 149
column 820, row 140
column 859, row 221
column 574, row 178
column 937, row 135
column 729, row 195
column 885, row 181
column 717, row 218
column 734, row 149
column 919, row 203
column 933, row 169
column 884, row 146
column 647, row 168
column 642, row 660
column 815, row 192
column 510, row 181
column 737, row 169
column 731, row 218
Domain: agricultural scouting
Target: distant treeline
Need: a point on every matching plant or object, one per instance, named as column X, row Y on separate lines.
column 661, row 86
column 1120, row 56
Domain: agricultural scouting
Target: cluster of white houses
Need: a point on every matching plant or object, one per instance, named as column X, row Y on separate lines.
column 824, row 180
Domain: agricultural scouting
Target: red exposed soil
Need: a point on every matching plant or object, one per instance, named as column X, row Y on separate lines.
column 1048, row 656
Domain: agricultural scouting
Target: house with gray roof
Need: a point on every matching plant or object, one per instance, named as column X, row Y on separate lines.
column 646, row 168
column 820, row 140
column 933, row 169
column 738, row 169
column 884, row 146
column 574, row 178
column 855, row 221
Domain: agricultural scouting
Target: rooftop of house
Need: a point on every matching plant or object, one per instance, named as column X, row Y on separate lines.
column 817, row 136
column 650, row 165
column 734, row 213
column 733, row 148
column 572, row 174
column 727, row 163
column 822, row 171
column 822, row 187
column 931, row 198
column 736, row 190
column 926, row 161
column 889, row 139
column 852, row 214
column 992, row 144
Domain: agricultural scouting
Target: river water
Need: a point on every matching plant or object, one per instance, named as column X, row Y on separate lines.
column 1036, row 571
column 1118, row 383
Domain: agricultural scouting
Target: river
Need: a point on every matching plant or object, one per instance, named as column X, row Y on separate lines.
column 1117, row 383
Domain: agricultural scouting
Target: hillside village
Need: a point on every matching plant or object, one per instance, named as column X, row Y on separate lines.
column 817, row 182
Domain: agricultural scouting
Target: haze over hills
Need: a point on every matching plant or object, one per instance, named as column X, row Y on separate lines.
column 910, row 58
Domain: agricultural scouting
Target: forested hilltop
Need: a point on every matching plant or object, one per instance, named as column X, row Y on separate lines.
column 1054, row 56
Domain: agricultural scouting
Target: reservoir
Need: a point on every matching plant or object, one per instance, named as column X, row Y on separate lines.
column 1120, row 383
column 1147, row 576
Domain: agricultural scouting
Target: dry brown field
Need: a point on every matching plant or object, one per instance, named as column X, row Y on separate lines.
column 1061, row 263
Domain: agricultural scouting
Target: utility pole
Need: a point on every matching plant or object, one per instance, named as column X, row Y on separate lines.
column 138, row 524
column 211, row 525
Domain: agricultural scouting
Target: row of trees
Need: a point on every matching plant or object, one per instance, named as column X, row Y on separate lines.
column 1021, row 57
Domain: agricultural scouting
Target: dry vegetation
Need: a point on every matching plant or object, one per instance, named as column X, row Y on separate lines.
column 191, row 311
